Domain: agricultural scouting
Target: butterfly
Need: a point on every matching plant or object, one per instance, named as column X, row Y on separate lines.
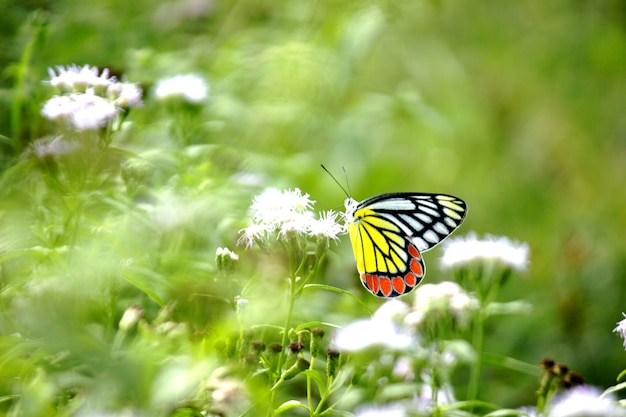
column 389, row 232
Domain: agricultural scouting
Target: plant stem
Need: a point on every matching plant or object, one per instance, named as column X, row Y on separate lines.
column 283, row 354
column 477, row 343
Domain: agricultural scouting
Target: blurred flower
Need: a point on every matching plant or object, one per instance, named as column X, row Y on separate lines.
column 394, row 310
column 442, row 299
column 528, row 411
column 130, row 317
column 229, row 395
column 584, row 401
column 80, row 111
column 124, row 95
column 78, row 80
column 463, row 250
column 191, row 88
column 225, row 259
column 88, row 100
column 381, row 330
column 52, row 147
column 363, row 334
column 621, row 329
column 288, row 213
column 391, row 410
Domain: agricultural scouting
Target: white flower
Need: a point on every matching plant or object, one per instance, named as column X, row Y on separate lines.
column 392, row 410
column 252, row 234
column 585, row 401
column 288, row 213
column 440, row 299
column 92, row 112
column 125, row 95
column 274, row 206
column 326, row 226
column 621, row 329
column 363, row 334
column 463, row 250
column 190, row 88
column 81, row 111
column 392, row 310
column 75, row 79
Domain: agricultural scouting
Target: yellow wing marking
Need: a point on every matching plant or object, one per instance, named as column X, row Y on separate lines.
column 377, row 244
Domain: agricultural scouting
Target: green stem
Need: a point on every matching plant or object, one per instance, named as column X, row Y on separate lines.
column 283, row 353
column 478, row 336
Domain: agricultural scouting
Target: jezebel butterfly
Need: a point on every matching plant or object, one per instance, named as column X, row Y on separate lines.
column 389, row 232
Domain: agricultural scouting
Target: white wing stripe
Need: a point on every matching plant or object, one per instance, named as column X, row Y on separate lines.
column 431, row 236
column 441, row 228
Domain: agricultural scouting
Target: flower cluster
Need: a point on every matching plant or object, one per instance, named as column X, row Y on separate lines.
column 188, row 88
column 393, row 323
column 580, row 401
column 460, row 251
column 88, row 99
column 443, row 299
column 280, row 215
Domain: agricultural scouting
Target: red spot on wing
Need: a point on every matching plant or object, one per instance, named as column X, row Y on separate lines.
column 385, row 285
column 413, row 251
column 398, row 285
column 410, row 280
column 417, row 267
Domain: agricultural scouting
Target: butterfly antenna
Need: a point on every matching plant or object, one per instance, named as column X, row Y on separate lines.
column 345, row 175
column 335, row 179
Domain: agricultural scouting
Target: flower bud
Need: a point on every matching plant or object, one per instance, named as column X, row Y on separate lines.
column 225, row 259
column 301, row 365
column 332, row 362
column 130, row 317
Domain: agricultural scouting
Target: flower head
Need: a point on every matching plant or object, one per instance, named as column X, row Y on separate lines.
column 124, row 95
column 585, row 401
column 381, row 330
column 80, row 111
column 367, row 333
column 190, row 88
column 620, row 329
column 288, row 214
column 326, row 226
column 88, row 99
column 463, row 250
column 445, row 298
column 75, row 79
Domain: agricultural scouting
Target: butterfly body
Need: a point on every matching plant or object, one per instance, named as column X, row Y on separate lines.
column 389, row 232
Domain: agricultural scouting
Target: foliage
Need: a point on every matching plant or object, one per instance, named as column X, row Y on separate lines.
column 112, row 299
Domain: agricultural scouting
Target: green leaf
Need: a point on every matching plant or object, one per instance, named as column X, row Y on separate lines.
column 136, row 276
column 511, row 363
column 287, row 405
column 317, row 378
column 614, row 388
column 310, row 324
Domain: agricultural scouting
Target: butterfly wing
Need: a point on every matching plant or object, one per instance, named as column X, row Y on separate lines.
column 389, row 231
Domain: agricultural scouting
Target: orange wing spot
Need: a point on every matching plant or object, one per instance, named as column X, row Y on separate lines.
column 385, row 286
column 372, row 283
column 398, row 285
column 416, row 268
column 414, row 252
column 410, row 280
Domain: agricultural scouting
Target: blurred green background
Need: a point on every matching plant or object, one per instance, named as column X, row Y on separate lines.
column 516, row 107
